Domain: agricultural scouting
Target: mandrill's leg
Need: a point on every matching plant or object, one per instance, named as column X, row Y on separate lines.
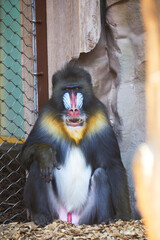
column 39, row 197
column 99, row 206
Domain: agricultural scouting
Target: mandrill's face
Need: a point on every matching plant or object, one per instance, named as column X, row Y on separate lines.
column 74, row 117
column 75, row 112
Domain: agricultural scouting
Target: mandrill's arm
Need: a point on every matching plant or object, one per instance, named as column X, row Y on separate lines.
column 43, row 153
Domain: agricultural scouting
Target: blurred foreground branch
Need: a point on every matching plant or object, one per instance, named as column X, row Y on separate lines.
column 147, row 160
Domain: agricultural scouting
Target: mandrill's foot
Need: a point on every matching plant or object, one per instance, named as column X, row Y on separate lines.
column 108, row 221
column 42, row 219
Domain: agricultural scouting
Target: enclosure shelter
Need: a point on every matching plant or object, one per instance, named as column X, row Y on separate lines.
column 37, row 39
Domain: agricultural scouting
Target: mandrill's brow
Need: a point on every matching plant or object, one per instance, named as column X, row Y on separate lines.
column 71, row 87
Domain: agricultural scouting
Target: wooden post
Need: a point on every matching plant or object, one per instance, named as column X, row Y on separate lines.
column 147, row 161
column 42, row 60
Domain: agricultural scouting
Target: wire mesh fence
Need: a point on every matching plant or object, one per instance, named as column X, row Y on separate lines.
column 18, row 99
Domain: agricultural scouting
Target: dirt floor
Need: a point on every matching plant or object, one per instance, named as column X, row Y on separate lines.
column 61, row 230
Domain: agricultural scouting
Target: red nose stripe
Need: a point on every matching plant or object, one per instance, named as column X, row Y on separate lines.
column 73, row 98
column 69, row 217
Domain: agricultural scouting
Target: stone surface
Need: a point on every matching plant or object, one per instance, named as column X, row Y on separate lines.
column 117, row 66
column 124, row 20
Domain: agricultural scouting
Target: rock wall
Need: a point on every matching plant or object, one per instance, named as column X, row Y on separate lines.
column 124, row 20
column 117, row 66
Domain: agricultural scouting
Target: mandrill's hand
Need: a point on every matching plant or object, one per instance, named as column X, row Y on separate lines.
column 45, row 154
column 47, row 159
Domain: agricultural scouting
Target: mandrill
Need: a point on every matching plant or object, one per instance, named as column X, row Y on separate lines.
column 73, row 158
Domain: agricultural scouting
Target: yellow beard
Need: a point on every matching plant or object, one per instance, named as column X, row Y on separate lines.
column 96, row 122
column 60, row 130
column 75, row 133
column 53, row 127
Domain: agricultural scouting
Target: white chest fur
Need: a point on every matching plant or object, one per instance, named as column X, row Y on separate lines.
column 73, row 180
